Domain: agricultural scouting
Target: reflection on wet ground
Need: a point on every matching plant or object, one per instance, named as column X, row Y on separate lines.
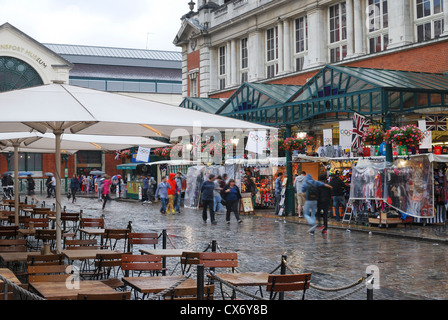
column 409, row 268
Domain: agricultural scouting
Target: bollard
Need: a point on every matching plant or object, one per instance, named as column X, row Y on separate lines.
column 214, row 245
column 6, row 290
column 164, row 235
column 200, row 282
column 281, row 295
column 370, row 287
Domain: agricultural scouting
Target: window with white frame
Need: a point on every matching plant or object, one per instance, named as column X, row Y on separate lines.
column 222, row 67
column 337, row 19
column 271, row 52
column 301, row 36
column 194, row 84
column 429, row 22
column 378, row 25
column 244, row 60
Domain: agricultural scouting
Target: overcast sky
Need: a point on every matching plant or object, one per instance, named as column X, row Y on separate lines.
column 141, row 24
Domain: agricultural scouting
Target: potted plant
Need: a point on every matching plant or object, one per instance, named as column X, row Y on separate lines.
column 291, row 144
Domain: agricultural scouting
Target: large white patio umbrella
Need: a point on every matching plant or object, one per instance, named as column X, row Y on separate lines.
column 60, row 108
column 70, row 143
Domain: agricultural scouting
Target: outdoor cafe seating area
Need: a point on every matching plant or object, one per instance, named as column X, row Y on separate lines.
column 101, row 263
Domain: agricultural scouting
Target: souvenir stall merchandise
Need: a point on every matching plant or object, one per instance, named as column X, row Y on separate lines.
column 263, row 172
column 392, row 193
column 440, row 176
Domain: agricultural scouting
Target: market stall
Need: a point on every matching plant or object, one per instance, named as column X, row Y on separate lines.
column 388, row 194
column 263, row 173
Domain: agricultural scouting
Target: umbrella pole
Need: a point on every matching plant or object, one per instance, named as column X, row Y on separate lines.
column 16, row 183
column 57, row 134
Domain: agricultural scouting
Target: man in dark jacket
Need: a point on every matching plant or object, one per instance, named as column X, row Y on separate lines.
column 338, row 192
column 323, row 203
column 207, row 196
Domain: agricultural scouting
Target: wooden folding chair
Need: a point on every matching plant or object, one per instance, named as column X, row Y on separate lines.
column 288, row 282
column 105, row 296
column 190, row 293
column 82, row 244
column 107, row 264
column 141, row 263
column 8, row 232
column 45, row 259
column 13, row 245
column 49, row 273
column 116, row 234
column 142, row 238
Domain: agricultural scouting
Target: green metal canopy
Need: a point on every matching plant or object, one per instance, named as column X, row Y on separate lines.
column 335, row 91
column 209, row 105
column 251, row 96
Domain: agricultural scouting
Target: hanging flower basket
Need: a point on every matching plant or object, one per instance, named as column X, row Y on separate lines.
column 373, row 137
column 177, row 150
column 125, row 154
column 291, row 144
column 409, row 136
column 310, row 142
column 166, row 152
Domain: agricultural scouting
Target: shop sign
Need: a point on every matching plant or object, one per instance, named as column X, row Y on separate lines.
column 24, row 51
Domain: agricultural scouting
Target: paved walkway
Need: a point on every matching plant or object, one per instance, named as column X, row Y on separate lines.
column 409, row 267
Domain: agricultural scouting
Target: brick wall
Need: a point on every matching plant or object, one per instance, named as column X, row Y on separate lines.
column 193, row 62
column 428, row 58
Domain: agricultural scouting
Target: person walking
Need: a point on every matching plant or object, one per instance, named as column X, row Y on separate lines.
column 338, row 193
column 323, row 204
column 74, row 187
column 278, row 192
column 217, row 199
column 162, row 194
column 53, row 186
column 300, row 199
column 30, row 189
column 48, row 185
column 207, row 189
column 10, row 186
column 310, row 191
column 232, row 196
column 107, row 183
column 171, row 193
column 180, row 177
column 145, row 189
column 152, row 184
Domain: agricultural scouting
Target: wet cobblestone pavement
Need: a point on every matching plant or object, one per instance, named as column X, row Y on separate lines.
column 409, row 267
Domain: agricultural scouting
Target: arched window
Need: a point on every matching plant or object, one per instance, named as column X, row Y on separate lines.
column 17, row 74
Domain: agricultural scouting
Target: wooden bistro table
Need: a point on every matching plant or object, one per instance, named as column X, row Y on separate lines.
column 245, row 279
column 61, row 291
column 176, row 253
column 84, row 255
column 16, row 257
column 10, row 276
column 146, row 285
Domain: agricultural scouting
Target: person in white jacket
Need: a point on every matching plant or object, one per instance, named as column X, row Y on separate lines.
column 300, row 198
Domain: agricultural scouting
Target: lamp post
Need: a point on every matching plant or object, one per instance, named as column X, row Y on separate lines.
column 289, row 194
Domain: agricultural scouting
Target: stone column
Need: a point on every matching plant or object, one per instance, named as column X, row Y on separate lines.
column 287, row 46
column 350, row 31
column 400, row 23
column 445, row 18
column 359, row 27
column 317, row 37
column 228, row 65
column 233, row 63
column 255, row 49
column 280, row 47
column 213, row 71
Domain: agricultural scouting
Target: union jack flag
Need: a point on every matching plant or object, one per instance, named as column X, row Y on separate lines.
column 267, row 198
column 436, row 123
column 359, row 122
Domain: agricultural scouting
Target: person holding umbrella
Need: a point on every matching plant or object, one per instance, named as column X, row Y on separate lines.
column 107, row 183
column 74, row 187
column 30, row 188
